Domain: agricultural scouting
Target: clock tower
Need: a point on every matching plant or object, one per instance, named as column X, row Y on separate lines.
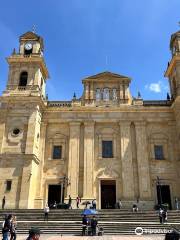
column 27, row 69
column 24, row 101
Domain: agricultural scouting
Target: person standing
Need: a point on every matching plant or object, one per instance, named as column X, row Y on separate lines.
column 78, row 200
column 6, row 227
column 70, row 202
column 177, row 203
column 161, row 215
column 3, row 202
column 13, row 228
column 119, row 204
column 46, row 212
column 84, row 225
column 94, row 223
column 94, row 204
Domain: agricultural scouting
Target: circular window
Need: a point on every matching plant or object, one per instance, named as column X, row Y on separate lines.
column 16, row 131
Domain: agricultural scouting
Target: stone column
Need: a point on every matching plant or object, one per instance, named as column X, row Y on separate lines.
column 39, row 200
column 2, row 131
column 143, row 162
column 88, row 192
column 126, row 160
column 32, row 146
column 73, row 164
column 121, row 91
column 29, row 182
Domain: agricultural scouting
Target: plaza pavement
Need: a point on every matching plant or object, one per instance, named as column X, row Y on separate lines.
column 58, row 237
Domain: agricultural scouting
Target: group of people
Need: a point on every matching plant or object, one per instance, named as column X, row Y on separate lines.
column 89, row 226
column 9, row 227
column 78, row 201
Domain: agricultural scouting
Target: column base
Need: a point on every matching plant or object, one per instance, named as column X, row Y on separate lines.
column 38, row 203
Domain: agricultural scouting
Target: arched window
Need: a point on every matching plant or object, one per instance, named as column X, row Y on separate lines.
column 106, row 94
column 23, row 79
column 98, row 94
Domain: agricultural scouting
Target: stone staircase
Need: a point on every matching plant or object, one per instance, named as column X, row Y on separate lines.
column 114, row 222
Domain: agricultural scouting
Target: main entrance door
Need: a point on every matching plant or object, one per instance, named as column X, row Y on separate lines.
column 164, row 195
column 54, row 194
column 108, row 194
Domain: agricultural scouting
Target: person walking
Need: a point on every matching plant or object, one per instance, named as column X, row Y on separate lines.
column 119, row 204
column 161, row 220
column 46, row 212
column 94, row 204
column 6, row 227
column 94, row 223
column 84, row 225
column 34, row 234
column 78, row 200
column 13, row 228
column 177, row 203
column 164, row 215
column 70, row 202
column 3, row 202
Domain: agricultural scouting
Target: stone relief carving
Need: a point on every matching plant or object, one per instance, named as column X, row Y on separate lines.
column 108, row 172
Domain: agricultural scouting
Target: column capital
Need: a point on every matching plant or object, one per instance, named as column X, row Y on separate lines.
column 89, row 123
column 74, row 123
column 141, row 123
column 124, row 123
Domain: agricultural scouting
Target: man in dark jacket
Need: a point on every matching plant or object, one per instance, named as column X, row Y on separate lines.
column 94, row 223
column 6, row 227
column 3, row 202
column 84, row 225
column 34, row 234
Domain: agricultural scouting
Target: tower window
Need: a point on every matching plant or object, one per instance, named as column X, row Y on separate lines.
column 98, row 94
column 57, row 152
column 8, row 185
column 107, row 149
column 158, row 152
column 106, row 94
column 23, row 79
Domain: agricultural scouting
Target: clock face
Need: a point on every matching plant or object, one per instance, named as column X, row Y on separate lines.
column 28, row 46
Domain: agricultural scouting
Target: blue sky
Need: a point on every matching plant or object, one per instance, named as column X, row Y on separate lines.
column 79, row 34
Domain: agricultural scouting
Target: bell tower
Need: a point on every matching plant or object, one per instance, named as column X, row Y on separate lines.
column 173, row 69
column 27, row 69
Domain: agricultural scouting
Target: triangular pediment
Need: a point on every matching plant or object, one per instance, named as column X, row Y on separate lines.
column 106, row 75
column 30, row 35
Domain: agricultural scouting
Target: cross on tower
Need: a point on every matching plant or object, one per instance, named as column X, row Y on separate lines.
column 34, row 28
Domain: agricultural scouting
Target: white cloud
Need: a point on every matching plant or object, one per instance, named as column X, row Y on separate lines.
column 156, row 87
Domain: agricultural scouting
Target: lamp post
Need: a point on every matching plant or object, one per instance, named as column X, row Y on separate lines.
column 64, row 182
column 158, row 182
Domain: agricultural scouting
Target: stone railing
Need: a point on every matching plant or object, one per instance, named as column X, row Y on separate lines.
column 157, row 103
column 60, row 104
column 23, row 88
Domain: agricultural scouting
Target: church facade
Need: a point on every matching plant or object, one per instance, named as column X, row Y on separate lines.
column 106, row 145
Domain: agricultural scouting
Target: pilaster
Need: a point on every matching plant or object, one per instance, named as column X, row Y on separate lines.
column 126, row 160
column 39, row 201
column 73, row 164
column 143, row 161
column 88, row 160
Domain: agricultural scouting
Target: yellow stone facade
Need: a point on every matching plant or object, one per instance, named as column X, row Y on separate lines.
column 30, row 127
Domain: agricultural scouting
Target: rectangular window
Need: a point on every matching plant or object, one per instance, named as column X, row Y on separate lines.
column 107, row 149
column 57, row 152
column 8, row 185
column 158, row 152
